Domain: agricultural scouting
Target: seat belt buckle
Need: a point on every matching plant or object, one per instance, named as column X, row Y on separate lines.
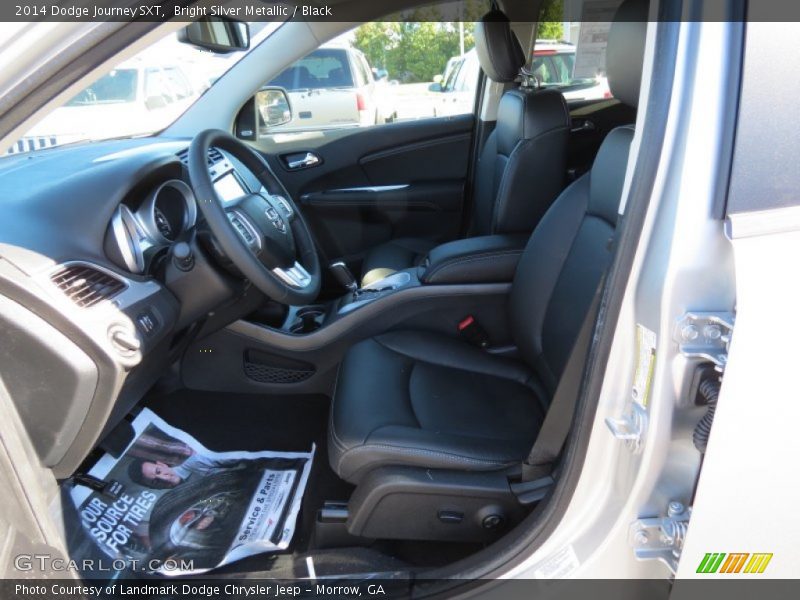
column 472, row 332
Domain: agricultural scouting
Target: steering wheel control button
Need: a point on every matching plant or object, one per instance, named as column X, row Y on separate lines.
column 287, row 208
column 125, row 342
column 245, row 229
column 295, row 276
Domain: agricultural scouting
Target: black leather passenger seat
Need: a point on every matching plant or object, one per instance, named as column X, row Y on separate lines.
column 416, row 400
column 522, row 166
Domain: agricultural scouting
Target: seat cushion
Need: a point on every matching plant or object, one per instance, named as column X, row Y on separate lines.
column 426, row 400
column 396, row 255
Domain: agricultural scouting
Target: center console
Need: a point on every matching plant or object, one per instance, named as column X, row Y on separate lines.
column 298, row 349
column 485, row 259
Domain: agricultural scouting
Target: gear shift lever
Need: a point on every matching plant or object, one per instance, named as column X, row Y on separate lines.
column 343, row 275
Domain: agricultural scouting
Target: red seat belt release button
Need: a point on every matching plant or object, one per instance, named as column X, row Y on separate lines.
column 472, row 332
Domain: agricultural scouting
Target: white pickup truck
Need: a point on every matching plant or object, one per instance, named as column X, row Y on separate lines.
column 334, row 87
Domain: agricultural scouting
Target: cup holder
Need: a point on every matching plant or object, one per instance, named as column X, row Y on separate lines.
column 308, row 319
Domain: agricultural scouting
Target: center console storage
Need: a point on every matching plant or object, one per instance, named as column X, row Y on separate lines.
column 306, row 319
column 485, row 259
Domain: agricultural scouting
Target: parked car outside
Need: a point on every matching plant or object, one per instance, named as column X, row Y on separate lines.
column 334, row 87
column 553, row 65
column 127, row 101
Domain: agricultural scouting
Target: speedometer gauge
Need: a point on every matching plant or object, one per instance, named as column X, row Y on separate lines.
column 169, row 211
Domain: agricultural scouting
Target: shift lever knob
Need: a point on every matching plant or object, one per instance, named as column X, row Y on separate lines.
column 343, row 275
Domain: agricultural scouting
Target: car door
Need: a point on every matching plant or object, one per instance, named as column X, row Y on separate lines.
column 359, row 186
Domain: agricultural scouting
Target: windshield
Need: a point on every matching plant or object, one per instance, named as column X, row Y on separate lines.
column 140, row 96
column 117, row 86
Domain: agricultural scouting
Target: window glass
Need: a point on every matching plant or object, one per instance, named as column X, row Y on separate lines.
column 467, row 78
column 178, row 82
column 323, row 68
column 117, row 86
column 401, row 70
column 139, row 96
column 156, row 85
column 451, row 72
column 563, row 41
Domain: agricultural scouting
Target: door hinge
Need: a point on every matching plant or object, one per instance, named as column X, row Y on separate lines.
column 661, row 538
column 706, row 335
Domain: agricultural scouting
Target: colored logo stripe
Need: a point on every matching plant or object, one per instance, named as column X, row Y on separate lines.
column 734, row 563
column 711, row 562
column 758, row 563
column 721, row 562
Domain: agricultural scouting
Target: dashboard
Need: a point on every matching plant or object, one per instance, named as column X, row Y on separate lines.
column 88, row 283
column 143, row 228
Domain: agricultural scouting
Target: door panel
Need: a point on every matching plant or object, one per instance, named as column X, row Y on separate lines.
column 401, row 179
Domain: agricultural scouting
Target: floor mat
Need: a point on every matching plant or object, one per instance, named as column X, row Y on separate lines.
column 251, row 422
column 168, row 496
column 292, row 423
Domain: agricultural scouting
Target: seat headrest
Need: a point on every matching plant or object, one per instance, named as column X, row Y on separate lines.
column 625, row 50
column 499, row 51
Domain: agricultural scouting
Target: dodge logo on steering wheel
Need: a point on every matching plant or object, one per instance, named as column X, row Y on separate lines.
column 276, row 219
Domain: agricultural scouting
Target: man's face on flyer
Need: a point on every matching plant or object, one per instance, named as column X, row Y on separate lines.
column 158, row 471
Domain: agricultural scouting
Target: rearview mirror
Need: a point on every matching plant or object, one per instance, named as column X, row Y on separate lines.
column 272, row 108
column 217, row 35
column 435, row 87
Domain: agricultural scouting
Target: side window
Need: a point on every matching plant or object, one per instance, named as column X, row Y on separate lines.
column 467, row 78
column 570, row 55
column 156, row 86
column 180, row 85
column 420, row 69
column 362, row 70
column 323, row 69
column 451, row 73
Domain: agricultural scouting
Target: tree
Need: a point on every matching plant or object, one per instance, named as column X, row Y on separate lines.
column 415, row 45
column 551, row 25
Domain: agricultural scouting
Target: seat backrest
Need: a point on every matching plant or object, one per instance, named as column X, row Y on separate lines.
column 522, row 165
column 572, row 246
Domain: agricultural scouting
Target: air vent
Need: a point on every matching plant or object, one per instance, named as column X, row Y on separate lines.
column 214, row 156
column 86, row 286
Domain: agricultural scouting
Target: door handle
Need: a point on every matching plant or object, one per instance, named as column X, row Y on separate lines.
column 302, row 160
column 583, row 125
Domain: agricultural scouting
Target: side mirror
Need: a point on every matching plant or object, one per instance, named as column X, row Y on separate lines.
column 272, row 108
column 438, row 79
column 217, row 35
column 435, row 87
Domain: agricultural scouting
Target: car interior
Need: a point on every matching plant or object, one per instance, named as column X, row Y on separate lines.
column 408, row 304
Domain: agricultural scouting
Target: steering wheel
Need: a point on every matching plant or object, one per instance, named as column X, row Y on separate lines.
column 263, row 234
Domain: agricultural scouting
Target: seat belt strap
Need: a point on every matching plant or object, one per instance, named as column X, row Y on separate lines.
column 558, row 420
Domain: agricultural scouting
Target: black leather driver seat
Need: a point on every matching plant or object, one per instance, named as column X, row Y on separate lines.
column 522, row 164
column 421, row 399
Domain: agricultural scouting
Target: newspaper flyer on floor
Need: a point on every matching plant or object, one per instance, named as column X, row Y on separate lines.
column 185, row 509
